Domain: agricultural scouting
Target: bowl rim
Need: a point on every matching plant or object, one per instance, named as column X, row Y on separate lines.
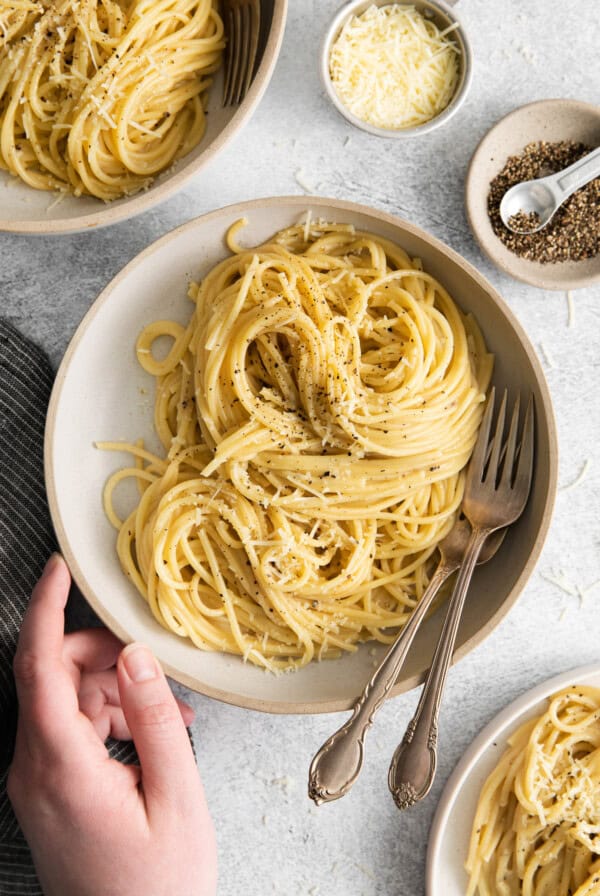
column 453, row 106
column 478, row 760
column 245, row 209
column 531, row 272
column 142, row 201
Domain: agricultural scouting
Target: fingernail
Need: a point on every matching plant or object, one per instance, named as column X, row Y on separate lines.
column 51, row 563
column 139, row 663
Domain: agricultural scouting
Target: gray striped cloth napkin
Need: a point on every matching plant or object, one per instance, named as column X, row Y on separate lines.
column 26, row 542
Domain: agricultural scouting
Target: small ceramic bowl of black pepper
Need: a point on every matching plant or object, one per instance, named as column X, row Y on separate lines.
column 533, row 141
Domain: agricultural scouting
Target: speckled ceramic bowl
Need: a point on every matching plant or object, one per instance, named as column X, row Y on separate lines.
column 101, row 392
column 551, row 120
column 441, row 13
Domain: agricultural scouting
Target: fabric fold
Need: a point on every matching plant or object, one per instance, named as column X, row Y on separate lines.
column 26, row 541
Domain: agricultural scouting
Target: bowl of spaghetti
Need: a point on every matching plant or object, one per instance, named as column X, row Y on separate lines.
column 520, row 810
column 109, row 109
column 257, row 486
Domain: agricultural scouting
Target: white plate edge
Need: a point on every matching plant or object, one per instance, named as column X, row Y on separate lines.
column 501, row 725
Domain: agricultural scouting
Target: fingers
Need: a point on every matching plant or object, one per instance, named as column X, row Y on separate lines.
column 187, row 713
column 42, row 629
column 100, row 701
column 92, row 650
column 109, row 721
column 50, row 670
column 47, row 697
column 169, row 771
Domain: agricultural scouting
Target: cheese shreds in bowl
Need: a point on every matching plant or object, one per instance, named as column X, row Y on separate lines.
column 393, row 68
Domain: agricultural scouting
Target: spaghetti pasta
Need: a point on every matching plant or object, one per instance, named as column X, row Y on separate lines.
column 537, row 825
column 316, row 415
column 99, row 96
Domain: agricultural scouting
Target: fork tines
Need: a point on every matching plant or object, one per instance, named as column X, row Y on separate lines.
column 499, row 455
column 242, row 26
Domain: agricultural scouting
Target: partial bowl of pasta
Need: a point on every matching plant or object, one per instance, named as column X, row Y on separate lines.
column 253, row 448
column 396, row 69
column 542, row 752
column 106, row 111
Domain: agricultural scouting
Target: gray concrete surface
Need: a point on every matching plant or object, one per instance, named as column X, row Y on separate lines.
column 272, row 840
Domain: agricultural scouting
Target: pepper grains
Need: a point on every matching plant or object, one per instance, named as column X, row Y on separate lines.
column 574, row 231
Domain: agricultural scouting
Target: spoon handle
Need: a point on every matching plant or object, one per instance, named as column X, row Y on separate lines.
column 413, row 765
column 579, row 173
column 337, row 763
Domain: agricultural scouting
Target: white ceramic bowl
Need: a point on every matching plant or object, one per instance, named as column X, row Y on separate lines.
column 441, row 13
column 101, row 393
column 448, row 842
column 25, row 210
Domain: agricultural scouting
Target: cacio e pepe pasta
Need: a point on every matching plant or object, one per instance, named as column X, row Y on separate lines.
column 316, row 415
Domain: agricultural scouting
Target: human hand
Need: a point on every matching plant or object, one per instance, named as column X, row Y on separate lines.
column 97, row 827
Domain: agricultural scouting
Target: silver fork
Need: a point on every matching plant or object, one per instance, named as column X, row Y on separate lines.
column 337, row 764
column 496, row 492
column 242, row 26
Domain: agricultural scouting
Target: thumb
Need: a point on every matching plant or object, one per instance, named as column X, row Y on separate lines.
column 169, row 773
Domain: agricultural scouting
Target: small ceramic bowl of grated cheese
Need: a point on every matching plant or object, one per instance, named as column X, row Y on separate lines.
column 396, row 69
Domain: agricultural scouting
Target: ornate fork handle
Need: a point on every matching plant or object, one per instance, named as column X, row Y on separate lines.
column 336, row 765
column 413, row 765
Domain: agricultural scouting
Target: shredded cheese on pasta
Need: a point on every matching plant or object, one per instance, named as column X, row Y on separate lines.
column 537, row 826
column 316, row 415
column 394, row 68
column 99, row 96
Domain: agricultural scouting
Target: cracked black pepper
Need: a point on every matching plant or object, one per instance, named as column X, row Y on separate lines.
column 573, row 234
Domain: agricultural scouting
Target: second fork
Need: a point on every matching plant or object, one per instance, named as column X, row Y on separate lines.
column 496, row 492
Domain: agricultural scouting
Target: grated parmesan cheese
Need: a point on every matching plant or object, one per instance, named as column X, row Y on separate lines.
column 301, row 181
column 394, row 68
column 546, row 355
column 560, row 580
column 581, row 476
column 60, row 195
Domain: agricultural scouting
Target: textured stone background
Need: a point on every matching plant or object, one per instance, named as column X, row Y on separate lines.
column 272, row 840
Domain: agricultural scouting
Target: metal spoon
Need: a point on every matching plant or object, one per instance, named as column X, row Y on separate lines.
column 337, row 764
column 529, row 206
